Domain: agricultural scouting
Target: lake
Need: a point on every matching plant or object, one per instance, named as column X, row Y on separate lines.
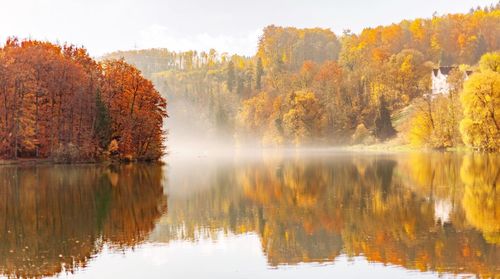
column 317, row 214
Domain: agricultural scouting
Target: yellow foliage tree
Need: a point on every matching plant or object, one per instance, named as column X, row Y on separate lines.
column 481, row 102
column 421, row 128
column 435, row 123
column 256, row 109
column 490, row 61
column 305, row 117
column 255, row 113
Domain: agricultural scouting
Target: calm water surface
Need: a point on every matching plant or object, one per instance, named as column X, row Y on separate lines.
column 422, row 215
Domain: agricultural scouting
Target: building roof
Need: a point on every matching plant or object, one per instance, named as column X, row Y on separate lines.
column 445, row 70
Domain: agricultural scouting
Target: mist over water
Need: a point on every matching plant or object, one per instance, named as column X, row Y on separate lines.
column 267, row 163
column 191, row 136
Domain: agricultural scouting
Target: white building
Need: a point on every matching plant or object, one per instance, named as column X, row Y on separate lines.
column 440, row 85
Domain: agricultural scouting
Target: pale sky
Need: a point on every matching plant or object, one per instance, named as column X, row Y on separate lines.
column 226, row 25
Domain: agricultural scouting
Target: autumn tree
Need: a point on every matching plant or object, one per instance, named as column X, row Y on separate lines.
column 481, row 99
column 231, row 76
column 304, row 119
column 259, row 71
column 480, row 128
column 255, row 114
column 137, row 110
column 329, row 86
column 52, row 107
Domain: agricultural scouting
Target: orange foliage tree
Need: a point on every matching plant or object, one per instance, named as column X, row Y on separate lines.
column 50, row 97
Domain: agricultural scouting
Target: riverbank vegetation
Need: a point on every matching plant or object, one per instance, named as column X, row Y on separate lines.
column 311, row 86
column 59, row 104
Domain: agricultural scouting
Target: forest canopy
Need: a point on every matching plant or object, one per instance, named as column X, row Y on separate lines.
column 58, row 103
column 306, row 86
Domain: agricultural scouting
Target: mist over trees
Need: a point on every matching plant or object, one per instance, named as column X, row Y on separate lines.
column 306, row 86
column 58, row 103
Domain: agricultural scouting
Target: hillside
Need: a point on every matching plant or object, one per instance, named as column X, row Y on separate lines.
column 307, row 86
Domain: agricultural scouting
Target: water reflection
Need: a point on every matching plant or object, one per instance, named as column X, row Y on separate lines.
column 428, row 212
column 437, row 212
column 56, row 218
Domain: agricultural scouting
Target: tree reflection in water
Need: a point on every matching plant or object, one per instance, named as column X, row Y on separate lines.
column 424, row 211
column 56, row 218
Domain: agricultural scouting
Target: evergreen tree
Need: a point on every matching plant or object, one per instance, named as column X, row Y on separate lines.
column 103, row 122
column 383, row 124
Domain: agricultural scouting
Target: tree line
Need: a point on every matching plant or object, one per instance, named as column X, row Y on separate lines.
column 58, row 103
column 306, row 86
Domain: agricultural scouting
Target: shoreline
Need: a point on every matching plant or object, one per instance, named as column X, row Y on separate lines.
column 29, row 162
column 386, row 148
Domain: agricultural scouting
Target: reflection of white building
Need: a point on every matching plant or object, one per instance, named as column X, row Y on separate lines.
column 442, row 211
column 440, row 83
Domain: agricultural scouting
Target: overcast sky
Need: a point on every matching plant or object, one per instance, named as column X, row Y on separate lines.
column 226, row 25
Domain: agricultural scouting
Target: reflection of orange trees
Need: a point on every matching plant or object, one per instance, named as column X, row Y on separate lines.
column 406, row 233
column 382, row 218
column 481, row 201
column 434, row 174
column 301, row 223
column 45, row 226
column 136, row 203
column 309, row 210
column 213, row 205
column 435, row 248
column 471, row 179
column 312, row 209
column 54, row 217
